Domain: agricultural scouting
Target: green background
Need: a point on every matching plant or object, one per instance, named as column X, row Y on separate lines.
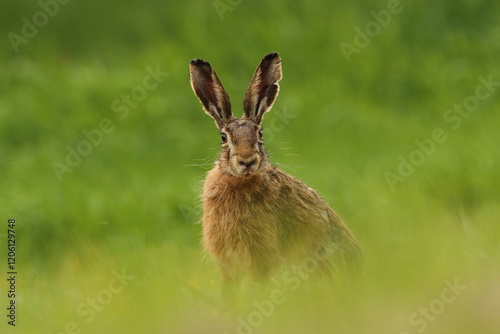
column 339, row 124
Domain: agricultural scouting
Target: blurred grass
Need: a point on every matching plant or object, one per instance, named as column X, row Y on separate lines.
column 132, row 203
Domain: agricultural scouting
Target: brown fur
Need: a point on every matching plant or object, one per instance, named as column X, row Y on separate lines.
column 256, row 217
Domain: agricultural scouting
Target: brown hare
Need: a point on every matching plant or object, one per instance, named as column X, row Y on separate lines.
column 257, row 218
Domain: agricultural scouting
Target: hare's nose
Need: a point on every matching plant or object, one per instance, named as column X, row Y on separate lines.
column 247, row 162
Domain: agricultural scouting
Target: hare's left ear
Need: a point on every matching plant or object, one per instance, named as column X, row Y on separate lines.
column 263, row 88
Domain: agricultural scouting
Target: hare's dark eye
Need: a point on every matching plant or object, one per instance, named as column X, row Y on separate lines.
column 260, row 134
column 223, row 136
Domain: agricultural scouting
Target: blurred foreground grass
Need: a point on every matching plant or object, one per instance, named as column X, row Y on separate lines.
column 131, row 206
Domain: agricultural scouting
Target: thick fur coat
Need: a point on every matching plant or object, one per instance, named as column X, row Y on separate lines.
column 257, row 218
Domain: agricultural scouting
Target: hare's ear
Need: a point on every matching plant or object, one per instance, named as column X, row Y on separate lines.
column 263, row 88
column 209, row 90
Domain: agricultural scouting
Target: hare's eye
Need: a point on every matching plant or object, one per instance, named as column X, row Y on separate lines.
column 223, row 137
column 260, row 134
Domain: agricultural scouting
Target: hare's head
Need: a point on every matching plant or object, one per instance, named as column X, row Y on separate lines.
column 242, row 152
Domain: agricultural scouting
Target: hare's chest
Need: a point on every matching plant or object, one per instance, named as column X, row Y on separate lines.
column 233, row 210
column 235, row 198
column 238, row 216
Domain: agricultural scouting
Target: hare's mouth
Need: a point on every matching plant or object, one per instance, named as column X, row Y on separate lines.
column 247, row 172
column 245, row 166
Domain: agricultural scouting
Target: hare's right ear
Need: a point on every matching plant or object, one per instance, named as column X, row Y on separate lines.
column 209, row 90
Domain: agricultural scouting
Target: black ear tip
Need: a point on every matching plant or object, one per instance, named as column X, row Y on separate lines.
column 198, row 62
column 272, row 55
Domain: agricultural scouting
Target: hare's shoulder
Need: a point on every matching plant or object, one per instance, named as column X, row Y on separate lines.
column 290, row 186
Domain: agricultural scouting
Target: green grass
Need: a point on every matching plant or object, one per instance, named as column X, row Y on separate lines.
column 132, row 203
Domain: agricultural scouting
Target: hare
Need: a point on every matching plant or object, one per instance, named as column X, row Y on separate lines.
column 257, row 218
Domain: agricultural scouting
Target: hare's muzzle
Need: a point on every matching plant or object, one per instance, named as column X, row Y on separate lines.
column 245, row 164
